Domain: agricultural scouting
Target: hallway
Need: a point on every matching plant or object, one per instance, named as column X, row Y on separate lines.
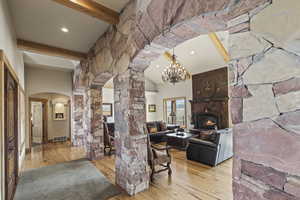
column 190, row 180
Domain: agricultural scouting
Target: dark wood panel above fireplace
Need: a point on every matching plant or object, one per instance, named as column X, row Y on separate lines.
column 211, row 85
column 210, row 95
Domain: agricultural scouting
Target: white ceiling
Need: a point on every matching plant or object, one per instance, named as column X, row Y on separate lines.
column 49, row 62
column 206, row 57
column 41, row 21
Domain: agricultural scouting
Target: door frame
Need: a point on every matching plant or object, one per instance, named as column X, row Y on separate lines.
column 45, row 120
column 16, row 142
column 6, row 66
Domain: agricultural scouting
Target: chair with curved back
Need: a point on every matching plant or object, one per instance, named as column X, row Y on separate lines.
column 158, row 156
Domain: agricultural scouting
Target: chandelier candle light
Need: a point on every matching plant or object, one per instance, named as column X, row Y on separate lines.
column 175, row 72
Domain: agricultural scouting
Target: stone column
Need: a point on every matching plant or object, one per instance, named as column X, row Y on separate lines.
column 93, row 122
column 131, row 142
column 78, row 137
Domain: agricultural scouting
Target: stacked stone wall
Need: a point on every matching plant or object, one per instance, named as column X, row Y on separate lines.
column 93, row 124
column 132, row 172
column 78, row 136
column 265, row 102
column 264, row 84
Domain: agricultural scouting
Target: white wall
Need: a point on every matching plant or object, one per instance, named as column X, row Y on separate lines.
column 8, row 45
column 40, row 80
column 8, row 41
column 108, row 97
column 151, row 99
column 183, row 89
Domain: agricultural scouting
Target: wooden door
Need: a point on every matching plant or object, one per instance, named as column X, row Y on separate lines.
column 11, row 134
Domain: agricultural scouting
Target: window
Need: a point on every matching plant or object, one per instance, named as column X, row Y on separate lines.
column 175, row 111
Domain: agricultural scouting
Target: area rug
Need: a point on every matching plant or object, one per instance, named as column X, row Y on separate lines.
column 75, row 180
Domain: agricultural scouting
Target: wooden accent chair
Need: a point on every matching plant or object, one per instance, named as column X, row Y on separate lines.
column 108, row 139
column 158, row 156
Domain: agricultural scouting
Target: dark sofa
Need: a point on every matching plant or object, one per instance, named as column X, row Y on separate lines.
column 211, row 151
column 160, row 131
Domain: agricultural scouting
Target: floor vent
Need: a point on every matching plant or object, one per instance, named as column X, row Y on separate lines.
column 60, row 139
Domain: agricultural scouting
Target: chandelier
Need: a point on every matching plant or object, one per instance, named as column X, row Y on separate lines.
column 175, row 72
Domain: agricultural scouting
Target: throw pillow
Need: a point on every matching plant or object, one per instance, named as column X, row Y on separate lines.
column 163, row 126
column 213, row 137
column 206, row 135
column 153, row 130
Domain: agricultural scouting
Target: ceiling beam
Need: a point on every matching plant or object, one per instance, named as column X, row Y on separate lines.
column 218, row 44
column 49, row 50
column 168, row 56
column 93, row 9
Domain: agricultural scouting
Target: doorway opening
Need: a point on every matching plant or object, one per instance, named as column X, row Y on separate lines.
column 38, row 121
column 49, row 118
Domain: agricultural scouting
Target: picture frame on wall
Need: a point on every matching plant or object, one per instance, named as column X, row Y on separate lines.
column 59, row 111
column 107, row 109
column 151, row 108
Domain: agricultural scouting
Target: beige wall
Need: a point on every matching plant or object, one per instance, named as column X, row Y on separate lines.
column 8, row 45
column 108, row 97
column 55, row 128
column 39, row 80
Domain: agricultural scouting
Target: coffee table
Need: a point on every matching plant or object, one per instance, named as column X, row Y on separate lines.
column 179, row 140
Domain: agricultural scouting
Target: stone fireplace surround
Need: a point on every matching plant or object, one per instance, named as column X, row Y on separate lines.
column 264, row 87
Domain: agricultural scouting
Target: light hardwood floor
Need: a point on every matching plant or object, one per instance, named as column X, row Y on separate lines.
column 189, row 181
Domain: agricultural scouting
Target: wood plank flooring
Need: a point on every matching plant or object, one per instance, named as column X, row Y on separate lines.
column 190, row 180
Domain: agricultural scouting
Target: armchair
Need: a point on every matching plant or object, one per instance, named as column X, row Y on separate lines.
column 158, row 156
column 211, row 152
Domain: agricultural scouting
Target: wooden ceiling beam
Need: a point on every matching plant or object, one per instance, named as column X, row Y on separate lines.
column 93, row 9
column 218, row 44
column 49, row 50
column 168, row 56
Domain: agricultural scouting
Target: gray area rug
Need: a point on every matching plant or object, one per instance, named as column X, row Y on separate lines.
column 75, row 180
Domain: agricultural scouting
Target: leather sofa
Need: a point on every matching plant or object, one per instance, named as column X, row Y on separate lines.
column 211, row 151
column 158, row 131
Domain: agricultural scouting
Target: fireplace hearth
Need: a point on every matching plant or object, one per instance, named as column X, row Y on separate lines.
column 205, row 121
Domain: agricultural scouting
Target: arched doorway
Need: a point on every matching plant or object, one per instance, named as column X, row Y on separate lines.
column 49, row 118
column 258, row 107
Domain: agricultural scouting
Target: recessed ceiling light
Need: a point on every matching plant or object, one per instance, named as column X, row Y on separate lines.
column 64, row 29
column 192, row 52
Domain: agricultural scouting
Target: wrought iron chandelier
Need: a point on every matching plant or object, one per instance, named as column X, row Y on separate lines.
column 175, row 72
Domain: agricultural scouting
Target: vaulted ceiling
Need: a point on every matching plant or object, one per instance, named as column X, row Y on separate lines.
column 196, row 55
column 41, row 22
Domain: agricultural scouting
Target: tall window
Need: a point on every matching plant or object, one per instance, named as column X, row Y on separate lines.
column 175, row 111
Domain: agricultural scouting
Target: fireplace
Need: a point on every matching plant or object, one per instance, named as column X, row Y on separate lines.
column 209, row 105
column 205, row 121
